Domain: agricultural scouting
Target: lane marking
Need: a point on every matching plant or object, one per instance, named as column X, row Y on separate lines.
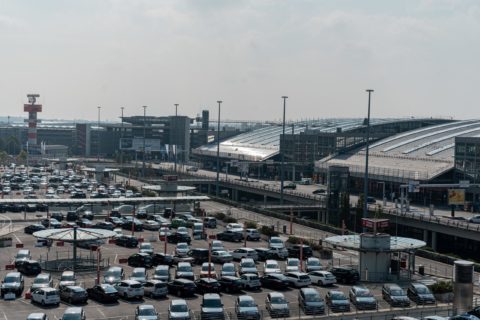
column 101, row 312
column 4, row 315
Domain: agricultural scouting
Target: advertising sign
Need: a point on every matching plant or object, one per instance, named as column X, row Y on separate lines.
column 456, row 196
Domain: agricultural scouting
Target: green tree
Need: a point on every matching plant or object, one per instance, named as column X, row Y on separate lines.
column 22, row 156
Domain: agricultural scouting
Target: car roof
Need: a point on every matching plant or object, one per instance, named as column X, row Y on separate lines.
column 246, row 298
column 178, row 302
column 36, row 315
column 13, row 274
column 67, row 272
column 145, row 306
column 391, row 285
column 297, row 273
column 129, row 281
column 418, row 285
column 211, row 296
column 309, row 290
column 43, row 275
column 271, row 261
column 276, row 294
column 139, row 269
column 115, row 268
column 184, row 263
column 336, row 292
column 183, row 280
column 162, row 267
column 73, row 310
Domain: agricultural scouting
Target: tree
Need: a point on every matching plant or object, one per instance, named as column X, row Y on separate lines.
column 22, row 156
column 4, row 158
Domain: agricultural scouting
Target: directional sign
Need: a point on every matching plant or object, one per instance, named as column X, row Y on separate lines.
column 464, row 184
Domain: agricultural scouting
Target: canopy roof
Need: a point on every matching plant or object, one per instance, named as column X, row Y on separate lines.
column 67, row 234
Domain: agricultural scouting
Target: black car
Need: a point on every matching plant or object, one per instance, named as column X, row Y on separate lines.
column 294, row 251
column 30, row 207
column 104, row 225
column 265, row 254
column 207, row 285
column 127, row 241
column 29, row 267
column 179, row 237
column 127, row 225
column 78, row 195
column 345, row 274
column 182, row 287
column 274, row 281
column 103, row 293
column 290, row 185
column 140, row 260
column 42, row 207
column 199, row 255
column 89, row 244
column 362, row 298
column 57, row 215
column 229, row 235
column 72, row 216
column 162, row 259
column 231, row 284
column 88, row 215
column 33, row 228
column 420, row 294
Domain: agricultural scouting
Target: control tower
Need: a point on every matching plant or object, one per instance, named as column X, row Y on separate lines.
column 32, row 110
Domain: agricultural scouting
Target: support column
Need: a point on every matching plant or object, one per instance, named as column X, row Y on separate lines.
column 209, row 188
column 265, row 200
column 425, row 236
column 434, row 241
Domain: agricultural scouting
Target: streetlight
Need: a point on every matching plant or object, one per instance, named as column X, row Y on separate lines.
column 121, row 138
column 176, row 146
column 98, row 135
column 218, row 150
column 281, row 150
column 365, row 180
column 144, row 130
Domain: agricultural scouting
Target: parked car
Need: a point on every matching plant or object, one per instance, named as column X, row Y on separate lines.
column 178, row 310
column 37, row 316
column 146, row 312
column 276, row 242
column 104, row 225
column 67, row 279
column 145, row 247
column 298, row 250
column 247, row 265
column 274, row 281
column 212, row 307
column 74, row 313
column 271, row 266
column 184, row 270
column 126, row 241
column 252, row 234
column 33, row 228
column 235, row 227
column 229, row 235
column 221, row 257
column 246, row 308
column 21, row 256
column 345, row 274
column 182, row 287
column 362, row 298
column 277, row 253
column 139, row 274
column 73, row 294
column 46, row 296
column 337, row 301
column 298, row 279
column 155, row 288
column 43, row 280
column 140, row 260
column 151, row 225
column 292, row 264
column 313, row 264
column 12, row 282
column 182, row 249
column 179, row 237
column 208, row 270
column 228, row 269
column 114, row 275
column 231, row 284
column 265, row 254
column 217, row 245
column 290, row 185
column 395, row 295
column 105, row 293
column 207, row 285
column 420, row 294
column 277, row 305
column 129, row 289
column 29, row 268
column 240, row 253
column 310, row 301
column 210, row 222
column 251, row 281
column 162, row 258
column 322, row 278
column 162, row 272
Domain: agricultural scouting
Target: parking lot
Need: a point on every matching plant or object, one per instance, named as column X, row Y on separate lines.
column 21, row 307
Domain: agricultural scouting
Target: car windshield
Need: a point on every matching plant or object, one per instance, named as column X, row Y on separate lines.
column 397, row 292
column 109, row 289
column 72, row 316
column 338, row 296
column 364, row 293
column 248, row 264
column 185, row 268
column 422, row 290
column 293, row 263
column 205, row 267
column 278, row 300
column 212, row 303
column 140, row 274
column 161, row 272
column 313, row 297
column 146, row 312
column 313, row 263
column 247, row 303
column 21, row 255
column 182, row 246
column 40, row 280
column 145, row 246
column 275, row 240
column 113, row 273
column 69, row 277
column 272, row 265
column 222, row 253
column 179, row 308
column 228, row 268
column 11, row 279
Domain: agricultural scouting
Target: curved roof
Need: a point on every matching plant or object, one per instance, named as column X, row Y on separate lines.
column 67, row 235
column 263, row 143
column 420, row 154
column 396, row 243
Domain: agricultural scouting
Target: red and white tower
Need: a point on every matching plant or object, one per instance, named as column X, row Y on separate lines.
column 32, row 110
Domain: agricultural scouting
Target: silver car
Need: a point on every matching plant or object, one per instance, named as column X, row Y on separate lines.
column 178, row 310
column 146, row 312
column 246, row 308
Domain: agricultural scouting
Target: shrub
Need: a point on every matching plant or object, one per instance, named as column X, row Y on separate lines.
column 219, row 215
column 268, row 231
column 148, row 193
column 293, row 240
column 133, row 188
column 442, row 287
column 229, row 220
column 250, row 225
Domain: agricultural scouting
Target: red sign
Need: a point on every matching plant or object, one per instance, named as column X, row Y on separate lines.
column 375, row 223
column 32, row 108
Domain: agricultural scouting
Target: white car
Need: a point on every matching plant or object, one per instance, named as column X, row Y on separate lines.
column 146, row 247
column 217, row 245
column 298, row 279
column 46, row 296
column 293, row 264
column 178, row 310
column 183, row 230
column 247, row 265
column 162, row 272
column 139, row 274
column 276, row 242
column 240, row 253
column 129, row 289
column 322, row 278
column 474, row 219
column 204, row 272
column 182, row 249
column 271, row 266
column 313, row 264
column 235, row 227
column 151, row 225
column 228, row 269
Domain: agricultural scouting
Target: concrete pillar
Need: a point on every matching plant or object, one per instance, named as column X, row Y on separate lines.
column 462, row 286
column 265, row 200
column 425, row 236
column 434, row 241
column 209, row 188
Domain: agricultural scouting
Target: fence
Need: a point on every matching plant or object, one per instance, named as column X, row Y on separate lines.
column 63, row 260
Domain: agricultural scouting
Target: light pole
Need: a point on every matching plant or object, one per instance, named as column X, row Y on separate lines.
column 176, row 146
column 218, row 150
column 144, row 134
column 121, row 138
column 365, row 180
column 281, row 150
column 98, row 135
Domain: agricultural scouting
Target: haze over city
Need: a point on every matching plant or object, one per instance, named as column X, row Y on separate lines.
column 421, row 57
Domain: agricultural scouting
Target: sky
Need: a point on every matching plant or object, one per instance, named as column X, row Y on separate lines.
column 420, row 57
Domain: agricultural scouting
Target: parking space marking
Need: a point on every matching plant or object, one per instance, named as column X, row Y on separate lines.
column 101, row 312
column 4, row 315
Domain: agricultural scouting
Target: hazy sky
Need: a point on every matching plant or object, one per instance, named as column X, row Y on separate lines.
column 421, row 57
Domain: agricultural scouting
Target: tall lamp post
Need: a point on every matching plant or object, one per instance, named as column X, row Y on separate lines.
column 176, row 146
column 365, row 180
column 282, row 178
column 218, row 150
column 98, row 135
column 144, row 134
column 121, row 138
